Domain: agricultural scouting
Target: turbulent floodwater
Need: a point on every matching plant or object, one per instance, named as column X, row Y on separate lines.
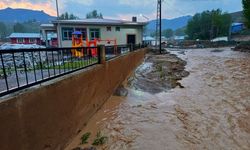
column 211, row 112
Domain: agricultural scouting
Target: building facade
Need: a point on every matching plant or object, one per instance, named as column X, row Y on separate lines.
column 105, row 30
column 25, row 38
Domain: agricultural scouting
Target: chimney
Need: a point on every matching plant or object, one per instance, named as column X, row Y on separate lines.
column 134, row 19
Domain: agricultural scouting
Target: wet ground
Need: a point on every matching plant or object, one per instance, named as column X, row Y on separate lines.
column 211, row 112
column 158, row 73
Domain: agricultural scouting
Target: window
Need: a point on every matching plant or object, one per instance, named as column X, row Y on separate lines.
column 32, row 40
column 94, row 34
column 84, row 32
column 20, row 40
column 108, row 28
column 67, row 33
column 117, row 28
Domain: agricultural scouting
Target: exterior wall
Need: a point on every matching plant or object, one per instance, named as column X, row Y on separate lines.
column 48, row 116
column 121, row 35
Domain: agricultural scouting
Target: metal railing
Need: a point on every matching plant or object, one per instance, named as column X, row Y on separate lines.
column 115, row 51
column 23, row 68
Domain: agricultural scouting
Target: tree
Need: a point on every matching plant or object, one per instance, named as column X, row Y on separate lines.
column 32, row 26
column 3, row 30
column 179, row 32
column 208, row 25
column 94, row 14
column 67, row 16
column 168, row 33
column 246, row 11
column 18, row 27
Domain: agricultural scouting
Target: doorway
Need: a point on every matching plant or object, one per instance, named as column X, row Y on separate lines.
column 131, row 39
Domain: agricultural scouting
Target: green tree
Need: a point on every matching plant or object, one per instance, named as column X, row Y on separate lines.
column 208, row 25
column 168, row 33
column 246, row 11
column 179, row 32
column 94, row 14
column 3, row 30
column 32, row 26
column 68, row 16
column 18, row 27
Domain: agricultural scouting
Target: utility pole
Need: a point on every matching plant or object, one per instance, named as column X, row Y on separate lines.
column 57, row 9
column 58, row 26
column 158, row 25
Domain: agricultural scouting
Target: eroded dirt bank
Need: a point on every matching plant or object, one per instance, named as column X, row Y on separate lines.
column 211, row 112
column 158, row 73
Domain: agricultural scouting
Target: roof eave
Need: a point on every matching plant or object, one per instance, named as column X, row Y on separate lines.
column 100, row 23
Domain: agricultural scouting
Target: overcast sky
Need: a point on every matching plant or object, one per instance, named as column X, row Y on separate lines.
column 125, row 9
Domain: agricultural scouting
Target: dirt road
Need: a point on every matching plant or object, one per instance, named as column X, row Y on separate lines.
column 211, row 112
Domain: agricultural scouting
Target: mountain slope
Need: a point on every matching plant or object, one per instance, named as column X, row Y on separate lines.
column 10, row 15
column 170, row 23
column 237, row 16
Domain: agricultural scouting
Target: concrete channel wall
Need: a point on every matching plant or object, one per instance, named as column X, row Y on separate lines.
column 48, row 116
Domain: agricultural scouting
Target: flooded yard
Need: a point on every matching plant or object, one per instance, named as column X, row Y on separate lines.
column 210, row 110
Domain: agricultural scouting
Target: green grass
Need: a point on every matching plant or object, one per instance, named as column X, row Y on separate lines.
column 75, row 64
column 85, row 137
column 100, row 139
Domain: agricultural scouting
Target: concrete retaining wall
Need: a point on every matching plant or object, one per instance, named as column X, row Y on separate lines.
column 47, row 116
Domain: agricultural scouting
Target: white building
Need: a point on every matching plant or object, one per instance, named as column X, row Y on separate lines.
column 125, row 32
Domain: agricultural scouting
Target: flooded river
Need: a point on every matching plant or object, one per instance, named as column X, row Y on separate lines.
column 212, row 111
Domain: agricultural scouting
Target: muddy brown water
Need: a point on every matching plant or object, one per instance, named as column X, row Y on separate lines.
column 211, row 112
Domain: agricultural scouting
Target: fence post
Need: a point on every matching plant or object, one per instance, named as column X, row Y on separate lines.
column 102, row 54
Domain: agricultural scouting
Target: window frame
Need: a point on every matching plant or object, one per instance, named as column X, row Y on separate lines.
column 84, row 32
column 20, row 40
column 116, row 29
column 97, row 30
column 109, row 28
column 32, row 40
column 68, row 31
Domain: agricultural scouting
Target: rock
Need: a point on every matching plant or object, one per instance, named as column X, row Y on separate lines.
column 121, row 91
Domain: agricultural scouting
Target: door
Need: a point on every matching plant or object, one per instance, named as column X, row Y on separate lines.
column 131, row 39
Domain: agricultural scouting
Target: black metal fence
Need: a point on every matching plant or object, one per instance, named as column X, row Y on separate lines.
column 115, row 51
column 22, row 68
